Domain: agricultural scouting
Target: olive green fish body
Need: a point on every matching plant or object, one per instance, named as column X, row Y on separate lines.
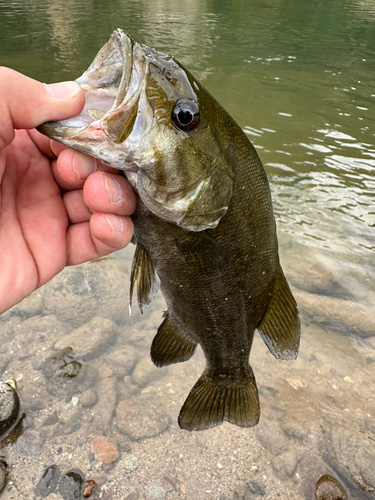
column 204, row 224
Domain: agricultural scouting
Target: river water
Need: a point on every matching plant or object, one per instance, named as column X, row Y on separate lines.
column 299, row 78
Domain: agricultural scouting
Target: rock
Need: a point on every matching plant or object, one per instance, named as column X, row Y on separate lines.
column 257, row 488
column 140, row 418
column 285, row 464
column 156, row 492
column 97, row 288
column 89, row 340
column 88, row 488
column 30, row 306
column 73, row 424
column 310, row 468
column 48, row 482
column 349, row 315
column 354, row 452
column 272, row 437
column 3, row 477
column 71, row 484
column 31, row 442
column 9, row 407
column 107, row 398
column 122, row 360
column 328, row 488
column 105, row 448
column 100, row 479
column 88, row 398
column 146, row 372
column 242, row 493
column 51, row 419
column 130, row 463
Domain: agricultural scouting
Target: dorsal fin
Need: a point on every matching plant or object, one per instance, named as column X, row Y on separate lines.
column 280, row 327
column 169, row 345
column 143, row 273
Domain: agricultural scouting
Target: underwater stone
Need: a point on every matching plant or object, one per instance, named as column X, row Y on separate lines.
column 130, row 464
column 328, row 488
column 105, row 448
column 9, row 407
column 71, row 484
column 48, row 482
column 3, row 477
column 156, row 492
column 73, row 424
column 140, row 418
column 272, row 437
column 285, row 464
column 88, row 488
column 31, row 442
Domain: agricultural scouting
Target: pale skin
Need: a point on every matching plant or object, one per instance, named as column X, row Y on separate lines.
column 58, row 207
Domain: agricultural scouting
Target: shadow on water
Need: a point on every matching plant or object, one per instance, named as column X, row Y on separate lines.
column 299, row 79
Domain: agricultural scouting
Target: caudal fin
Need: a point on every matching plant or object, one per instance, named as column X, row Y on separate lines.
column 210, row 403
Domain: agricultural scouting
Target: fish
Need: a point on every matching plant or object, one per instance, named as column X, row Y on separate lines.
column 204, row 226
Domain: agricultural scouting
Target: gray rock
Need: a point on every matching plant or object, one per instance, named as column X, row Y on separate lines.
column 272, row 437
column 146, row 372
column 140, row 418
column 156, row 492
column 98, row 288
column 242, row 493
column 130, row 463
column 257, row 488
column 71, row 484
column 107, row 398
column 355, row 452
column 31, row 442
column 88, row 397
column 30, row 306
column 36, row 332
column 48, row 482
column 89, row 340
column 310, row 468
column 51, row 419
column 122, row 360
column 9, row 407
column 285, row 464
column 3, row 477
column 73, row 424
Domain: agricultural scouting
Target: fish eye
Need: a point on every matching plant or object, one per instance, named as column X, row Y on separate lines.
column 185, row 115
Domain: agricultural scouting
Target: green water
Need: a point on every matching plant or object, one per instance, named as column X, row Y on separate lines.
column 299, row 77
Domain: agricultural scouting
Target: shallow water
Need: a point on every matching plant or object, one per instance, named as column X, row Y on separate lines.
column 299, row 79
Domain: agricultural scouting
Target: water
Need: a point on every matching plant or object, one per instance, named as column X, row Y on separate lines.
column 299, row 79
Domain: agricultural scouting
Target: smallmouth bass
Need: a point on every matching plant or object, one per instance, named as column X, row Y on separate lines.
column 204, row 224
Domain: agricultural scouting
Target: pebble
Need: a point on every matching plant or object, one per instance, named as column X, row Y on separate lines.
column 3, row 477
column 107, row 398
column 272, row 437
column 88, row 488
column 285, row 464
column 242, row 493
column 257, row 488
column 328, row 488
column 105, row 448
column 9, row 407
column 90, row 339
column 73, row 424
column 88, row 397
column 100, row 479
column 146, row 373
column 130, row 463
column 48, row 482
column 31, row 442
column 71, row 484
column 51, row 419
column 140, row 418
column 156, row 492
column 122, row 360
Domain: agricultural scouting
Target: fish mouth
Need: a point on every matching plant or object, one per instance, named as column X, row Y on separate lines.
column 114, row 74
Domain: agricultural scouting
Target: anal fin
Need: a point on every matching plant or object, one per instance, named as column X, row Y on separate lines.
column 169, row 345
column 144, row 275
column 210, row 403
column 280, row 327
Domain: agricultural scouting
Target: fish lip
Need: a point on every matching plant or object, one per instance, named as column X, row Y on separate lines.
column 103, row 96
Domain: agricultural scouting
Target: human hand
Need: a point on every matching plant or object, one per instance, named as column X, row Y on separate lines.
column 58, row 207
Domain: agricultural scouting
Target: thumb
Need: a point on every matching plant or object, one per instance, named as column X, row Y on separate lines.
column 26, row 103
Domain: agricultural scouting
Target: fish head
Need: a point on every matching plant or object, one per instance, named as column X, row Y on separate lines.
column 145, row 114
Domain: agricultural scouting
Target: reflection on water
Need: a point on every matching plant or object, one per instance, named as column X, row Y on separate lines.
column 299, row 78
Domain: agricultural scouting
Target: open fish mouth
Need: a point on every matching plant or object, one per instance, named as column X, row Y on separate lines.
column 111, row 84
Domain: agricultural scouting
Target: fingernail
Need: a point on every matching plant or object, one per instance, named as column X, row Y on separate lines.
column 113, row 189
column 83, row 165
column 114, row 222
column 63, row 90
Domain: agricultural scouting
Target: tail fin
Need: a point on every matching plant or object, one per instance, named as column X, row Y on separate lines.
column 212, row 402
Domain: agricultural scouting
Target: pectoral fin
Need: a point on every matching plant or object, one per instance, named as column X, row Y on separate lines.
column 169, row 345
column 144, row 275
column 202, row 251
column 280, row 327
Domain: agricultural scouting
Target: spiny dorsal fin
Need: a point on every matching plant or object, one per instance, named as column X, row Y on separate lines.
column 147, row 280
column 210, row 403
column 169, row 345
column 280, row 327
column 202, row 251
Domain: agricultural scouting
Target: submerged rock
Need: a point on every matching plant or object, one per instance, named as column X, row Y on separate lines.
column 156, row 492
column 71, row 484
column 31, row 442
column 105, row 448
column 3, row 477
column 9, row 407
column 328, row 488
column 48, row 482
column 140, row 418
